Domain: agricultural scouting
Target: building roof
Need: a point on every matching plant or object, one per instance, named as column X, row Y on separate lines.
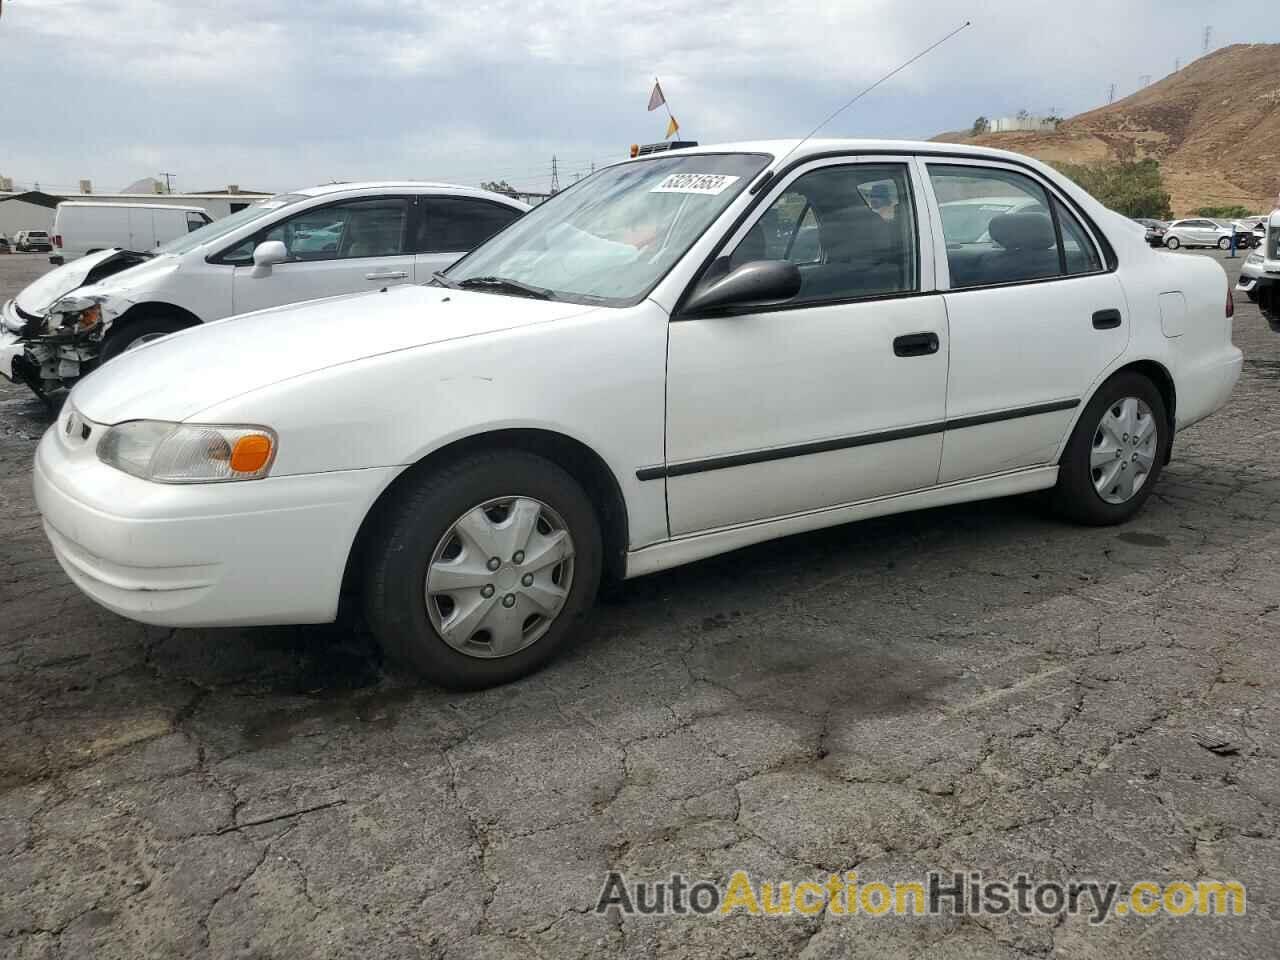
column 228, row 193
column 37, row 197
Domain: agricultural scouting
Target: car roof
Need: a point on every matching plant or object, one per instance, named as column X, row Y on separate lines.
column 797, row 149
column 328, row 189
column 123, row 205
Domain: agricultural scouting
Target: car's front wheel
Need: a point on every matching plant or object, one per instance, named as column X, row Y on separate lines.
column 1173, row 243
column 480, row 572
column 136, row 333
column 1115, row 453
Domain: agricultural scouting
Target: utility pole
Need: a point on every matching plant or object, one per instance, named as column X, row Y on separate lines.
column 1145, row 79
column 1208, row 35
column 168, row 182
column 555, row 176
column 1111, row 94
column 1177, row 65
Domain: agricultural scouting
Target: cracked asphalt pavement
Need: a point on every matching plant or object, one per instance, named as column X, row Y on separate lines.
column 971, row 688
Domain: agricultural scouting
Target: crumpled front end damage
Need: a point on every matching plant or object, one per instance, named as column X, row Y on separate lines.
column 63, row 346
column 63, row 343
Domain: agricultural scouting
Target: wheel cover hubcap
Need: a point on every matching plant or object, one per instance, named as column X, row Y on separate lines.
column 1124, row 450
column 499, row 577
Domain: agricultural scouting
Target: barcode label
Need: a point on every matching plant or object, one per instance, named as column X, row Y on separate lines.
column 705, row 183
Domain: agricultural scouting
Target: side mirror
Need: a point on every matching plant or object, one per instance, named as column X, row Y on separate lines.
column 267, row 253
column 760, row 283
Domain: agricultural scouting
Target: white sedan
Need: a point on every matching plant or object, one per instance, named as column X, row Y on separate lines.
column 1201, row 232
column 643, row 371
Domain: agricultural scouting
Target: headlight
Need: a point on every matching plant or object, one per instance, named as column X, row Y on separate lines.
column 188, row 452
column 1253, row 258
column 73, row 315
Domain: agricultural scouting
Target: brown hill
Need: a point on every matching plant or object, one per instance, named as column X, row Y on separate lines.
column 1214, row 126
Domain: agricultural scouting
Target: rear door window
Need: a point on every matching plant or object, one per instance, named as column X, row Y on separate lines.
column 458, row 224
column 1000, row 227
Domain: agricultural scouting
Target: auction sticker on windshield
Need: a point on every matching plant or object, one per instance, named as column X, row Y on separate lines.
column 710, row 184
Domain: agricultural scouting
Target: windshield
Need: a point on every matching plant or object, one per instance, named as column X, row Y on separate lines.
column 612, row 237
column 220, row 228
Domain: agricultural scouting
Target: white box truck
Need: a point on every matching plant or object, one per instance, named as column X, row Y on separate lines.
column 81, row 226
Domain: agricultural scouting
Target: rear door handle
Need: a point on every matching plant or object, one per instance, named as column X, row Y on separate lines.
column 393, row 275
column 915, row 344
column 1106, row 319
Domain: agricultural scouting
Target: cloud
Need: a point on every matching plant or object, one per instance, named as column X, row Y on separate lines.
column 275, row 94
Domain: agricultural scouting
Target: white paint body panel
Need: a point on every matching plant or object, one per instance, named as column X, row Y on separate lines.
column 751, row 383
column 360, row 387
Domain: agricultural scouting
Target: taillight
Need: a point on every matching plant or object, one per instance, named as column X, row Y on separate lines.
column 57, row 240
column 1231, row 304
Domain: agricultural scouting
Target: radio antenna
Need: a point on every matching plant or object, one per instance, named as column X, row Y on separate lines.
column 895, row 70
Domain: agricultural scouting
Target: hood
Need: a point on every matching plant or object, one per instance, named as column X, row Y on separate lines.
column 39, row 296
column 178, row 376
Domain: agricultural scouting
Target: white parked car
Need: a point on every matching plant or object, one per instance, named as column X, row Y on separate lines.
column 1197, row 232
column 81, row 227
column 1260, row 273
column 319, row 242
column 32, row 241
column 628, row 379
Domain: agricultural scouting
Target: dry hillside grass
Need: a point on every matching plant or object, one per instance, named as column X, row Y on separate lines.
column 1214, row 126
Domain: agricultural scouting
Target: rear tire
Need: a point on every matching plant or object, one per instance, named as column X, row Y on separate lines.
column 1224, row 243
column 423, row 530
column 1173, row 243
column 1091, row 490
column 132, row 334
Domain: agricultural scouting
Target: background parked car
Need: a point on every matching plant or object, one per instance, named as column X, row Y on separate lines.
column 1197, row 232
column 82, row 227
column 318, row 242
column 32, row 241
column 1155, row 230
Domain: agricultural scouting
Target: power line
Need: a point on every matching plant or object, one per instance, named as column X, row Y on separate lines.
column 555, row 176
column 1208, row 35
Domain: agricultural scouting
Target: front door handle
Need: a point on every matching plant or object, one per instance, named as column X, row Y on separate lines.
column 1106, row 319
column 915, row 344
column 393, row 275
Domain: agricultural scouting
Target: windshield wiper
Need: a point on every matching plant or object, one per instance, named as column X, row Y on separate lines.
column 503, row 283
column 439, row 278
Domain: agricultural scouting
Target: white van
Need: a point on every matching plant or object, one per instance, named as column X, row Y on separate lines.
column 85, row 226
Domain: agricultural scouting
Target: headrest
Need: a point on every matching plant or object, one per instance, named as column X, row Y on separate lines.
column 1023, row 231
column 853, row 229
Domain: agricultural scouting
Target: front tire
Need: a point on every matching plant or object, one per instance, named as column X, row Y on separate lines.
column 137, row 333
column 1115, row 453
column 1173, row 243
column 482, row 572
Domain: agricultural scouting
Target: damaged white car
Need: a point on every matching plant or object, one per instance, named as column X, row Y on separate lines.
column 318, row 242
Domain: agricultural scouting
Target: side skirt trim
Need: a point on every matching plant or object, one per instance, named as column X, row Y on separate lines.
column 686, row 549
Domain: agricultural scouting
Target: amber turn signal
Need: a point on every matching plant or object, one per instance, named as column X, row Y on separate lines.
column 251, row 453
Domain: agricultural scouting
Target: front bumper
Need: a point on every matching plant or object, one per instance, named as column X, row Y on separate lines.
column 218, row 554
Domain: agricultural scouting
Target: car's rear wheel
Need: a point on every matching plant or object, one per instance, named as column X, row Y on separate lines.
column 1115, row 453
column 136, row 333
column 1224, row 243
column 481, row 572
column 1173, row 243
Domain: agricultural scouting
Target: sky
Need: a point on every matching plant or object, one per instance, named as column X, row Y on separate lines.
column 278, row 94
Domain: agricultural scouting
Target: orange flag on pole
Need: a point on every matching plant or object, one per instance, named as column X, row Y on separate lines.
column 672, row 128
